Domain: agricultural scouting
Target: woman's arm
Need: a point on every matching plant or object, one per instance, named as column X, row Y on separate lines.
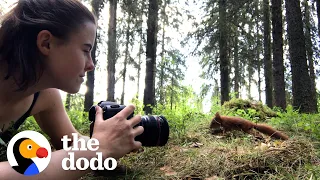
column 52, row 118
column 54, row 170
column 115, row 136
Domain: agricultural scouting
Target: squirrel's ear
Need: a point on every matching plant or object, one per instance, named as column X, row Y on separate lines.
column 217, row 114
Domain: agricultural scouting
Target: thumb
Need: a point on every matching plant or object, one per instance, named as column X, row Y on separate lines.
column 99, row 114
column 97, row 120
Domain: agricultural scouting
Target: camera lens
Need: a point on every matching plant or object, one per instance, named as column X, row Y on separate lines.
column 156, row 131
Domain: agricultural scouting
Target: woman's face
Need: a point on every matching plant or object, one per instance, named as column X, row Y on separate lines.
column 66, row 63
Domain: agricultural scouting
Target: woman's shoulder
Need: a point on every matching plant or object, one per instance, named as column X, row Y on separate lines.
column 50, row 94
column 47, row 99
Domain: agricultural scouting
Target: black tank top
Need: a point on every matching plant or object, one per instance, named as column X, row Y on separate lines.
column 7, row 135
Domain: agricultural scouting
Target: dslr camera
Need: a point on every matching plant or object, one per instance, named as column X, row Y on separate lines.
column 156, row 128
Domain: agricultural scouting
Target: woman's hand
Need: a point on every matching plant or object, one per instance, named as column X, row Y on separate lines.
column 116, row 135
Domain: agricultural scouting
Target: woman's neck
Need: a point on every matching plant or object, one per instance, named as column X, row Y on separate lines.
column 9, row 93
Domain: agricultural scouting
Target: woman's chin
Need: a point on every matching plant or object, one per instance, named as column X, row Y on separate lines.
column 71, row 90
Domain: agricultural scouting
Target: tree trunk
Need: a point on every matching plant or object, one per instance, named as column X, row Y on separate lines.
column 140, row 46
column 171, row 95
column 310, row 53
column 258, row 60
column 250, row 68
column 242, row 76
column 162, row 65
column 89, row 95
column 139, row 65
column 259, row 78
column 278, row 74
column 112, row 47
column 318, row 14
column 267, row 53
column 224, row 62
column 124, row 72
column 236, row 65
column 301, row 82
column 250, row 72
column 152, row 23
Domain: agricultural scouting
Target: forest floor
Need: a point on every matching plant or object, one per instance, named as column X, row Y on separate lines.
column 194, row 153
column 199, row 155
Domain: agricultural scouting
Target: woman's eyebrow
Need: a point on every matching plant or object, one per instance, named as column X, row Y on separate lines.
column 88, row 45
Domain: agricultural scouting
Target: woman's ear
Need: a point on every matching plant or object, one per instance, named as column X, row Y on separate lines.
column 44, row 39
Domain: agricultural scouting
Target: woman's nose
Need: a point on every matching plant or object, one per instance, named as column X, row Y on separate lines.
column 89, row 65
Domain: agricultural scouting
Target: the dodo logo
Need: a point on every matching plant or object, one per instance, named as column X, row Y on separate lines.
column 29, row 153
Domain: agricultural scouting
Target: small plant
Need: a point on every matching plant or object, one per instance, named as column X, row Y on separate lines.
column 292, row 120
column 248, row 109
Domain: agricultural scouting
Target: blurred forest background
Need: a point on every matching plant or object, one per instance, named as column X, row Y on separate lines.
column 203, row 53
column 188, row 59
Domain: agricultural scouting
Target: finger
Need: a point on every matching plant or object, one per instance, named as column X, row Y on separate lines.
column 135, row 120
column 138, row 130
column 125, row 112
column 137, row 145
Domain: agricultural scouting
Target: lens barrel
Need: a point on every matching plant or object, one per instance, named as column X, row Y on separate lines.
column 156, row 131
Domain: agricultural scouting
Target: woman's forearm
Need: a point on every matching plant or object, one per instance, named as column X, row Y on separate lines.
column 54, row 169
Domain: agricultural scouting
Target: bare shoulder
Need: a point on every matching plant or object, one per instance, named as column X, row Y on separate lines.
column 52, row 117
column 48, row 99
column 51, row 95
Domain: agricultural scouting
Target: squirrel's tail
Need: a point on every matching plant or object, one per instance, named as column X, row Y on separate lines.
column 265, row 129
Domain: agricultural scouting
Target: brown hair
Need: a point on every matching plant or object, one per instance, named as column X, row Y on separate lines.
column 19, row 30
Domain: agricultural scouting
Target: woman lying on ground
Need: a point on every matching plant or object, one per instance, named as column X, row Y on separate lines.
column 45, row 45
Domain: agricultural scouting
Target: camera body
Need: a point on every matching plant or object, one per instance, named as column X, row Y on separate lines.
column 156, row 128
column 109, row 109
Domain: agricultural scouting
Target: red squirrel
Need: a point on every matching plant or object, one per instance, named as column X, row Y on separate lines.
column 227, row 123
